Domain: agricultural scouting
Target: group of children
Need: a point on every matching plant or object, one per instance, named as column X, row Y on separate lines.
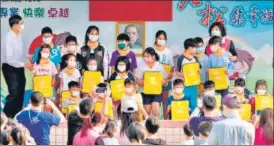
column 68, row 67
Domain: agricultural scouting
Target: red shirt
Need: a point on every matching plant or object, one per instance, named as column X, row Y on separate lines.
column 260, row 138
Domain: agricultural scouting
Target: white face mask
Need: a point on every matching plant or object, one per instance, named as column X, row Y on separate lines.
column 215, row 33
column 101, row 95
column 129, row 90
column 121, row 68
column 93, row 37
column 161, row 42
column 239, row 89
column 178, row 90
column 210, row 92
column 47, row 40
column 76, row 93
column 92, row 67
column 261, row 92
column 72, row 64
column 71, row 48
column 45, row 55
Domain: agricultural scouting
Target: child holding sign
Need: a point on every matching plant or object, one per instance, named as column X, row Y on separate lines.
column 191, row 92
column 151, row 64
column 240, row 90
column 220, row 59
column 74, row 88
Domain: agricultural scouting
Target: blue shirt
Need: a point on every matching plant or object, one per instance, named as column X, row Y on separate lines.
column 55, row 55
column 221, row 61
column 39, row 124
column 203, row 61
column 171, row 98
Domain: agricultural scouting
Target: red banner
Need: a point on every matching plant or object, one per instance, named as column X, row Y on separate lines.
column 138, row 10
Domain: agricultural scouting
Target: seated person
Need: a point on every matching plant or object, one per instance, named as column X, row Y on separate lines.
column 75, row 96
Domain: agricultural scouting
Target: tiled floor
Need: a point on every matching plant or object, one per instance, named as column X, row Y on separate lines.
column 171, row 131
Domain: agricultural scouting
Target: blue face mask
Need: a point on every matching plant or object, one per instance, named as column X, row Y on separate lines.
column 199, row 49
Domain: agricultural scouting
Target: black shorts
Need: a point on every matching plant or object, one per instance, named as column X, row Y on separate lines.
column 149, row 99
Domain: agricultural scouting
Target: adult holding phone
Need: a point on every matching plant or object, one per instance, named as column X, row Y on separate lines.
column 13, row 57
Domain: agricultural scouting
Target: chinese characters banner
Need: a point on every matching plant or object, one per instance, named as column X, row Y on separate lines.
column 137, row 10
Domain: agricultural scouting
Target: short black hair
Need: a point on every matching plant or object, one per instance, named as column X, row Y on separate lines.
column 152, row 124
column 73, row 84
column 36, row 98
column 239, row 82
column 86, row 106
column 46, row 30
column 158, row 33
column 187, row 130
column 15, row 19
column 123, row 37
column 221, row 27
column 209, row 84
column 136, row 132
column 71, row 38
column 151, row 51
column 129, row 81
column 199, row 40
column 215, row 40
column 260, row 82
column 205, row 127
column 209, row 102
column 122, row 59
column 178, row 81
column 190, row 42
column 89, row 29
column 102, row 85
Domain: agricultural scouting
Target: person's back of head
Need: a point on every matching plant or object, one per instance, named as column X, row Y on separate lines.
column 111, row 128
column 36, row 98
column 266, row 122
column 209, row 103
column 136, row 133
column 86, row 106
column 187, row 131
column 230, row 105
column 204, row 129
column 152, row 124
column 18, row 136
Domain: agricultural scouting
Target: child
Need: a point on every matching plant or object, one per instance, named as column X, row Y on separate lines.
column 43, row 65
column 219, row 58
column 151, row 58
column 92, row 66
column 131, row 94
column 69, row 73
column 204, row 130
column 191, row 92
column 260, row 89
column 124, row 50
column 203, row 58
column 71, row 45
column 188, row 136
column 165, row 58
column 74, row 88
column 240, row 90
column 109, row 134
column 178, row 95
column 55, row 53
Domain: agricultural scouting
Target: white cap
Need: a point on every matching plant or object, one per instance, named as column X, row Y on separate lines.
column 129, row 106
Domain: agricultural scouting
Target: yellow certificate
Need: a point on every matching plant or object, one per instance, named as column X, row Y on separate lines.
column 263, row 101
column 99, row 105
column 153, row 83
column 219, row 77
column 65, row 95
column 90, row 80
column 245, row 111
column 43, row 84
column 179, row 110
column 117, row 89
column 167, row 68
column 191, row 74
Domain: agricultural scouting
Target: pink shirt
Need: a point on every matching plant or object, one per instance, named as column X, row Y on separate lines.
column 88, row 139
column 260, row 139
column 48, row 69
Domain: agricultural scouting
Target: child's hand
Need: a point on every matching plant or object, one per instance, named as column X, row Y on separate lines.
column 233, row 58
column 199, row 71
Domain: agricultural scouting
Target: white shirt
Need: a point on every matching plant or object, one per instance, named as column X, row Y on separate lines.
column 144, row 67
column 66, row 79
column 12, row 51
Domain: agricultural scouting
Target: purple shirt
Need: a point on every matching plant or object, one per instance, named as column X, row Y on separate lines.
column 195, row 121
column 131, row 56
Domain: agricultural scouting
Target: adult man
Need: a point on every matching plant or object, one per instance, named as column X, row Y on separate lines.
column 13, row 56
column 39, row 122
column 232, row 130
column 132, row 31
column 207, row 113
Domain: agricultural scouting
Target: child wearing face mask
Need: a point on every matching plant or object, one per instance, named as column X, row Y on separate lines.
column 177, row 95
column 74, row 89
column 122, row 67
column 240, row 90
column 260, row 89
column 191, row 92
column 123, row 50
column 220, row 58
column 69, row 73
column 71, row 45
column 92, row 66
column 203, row 58
column 55, row 53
